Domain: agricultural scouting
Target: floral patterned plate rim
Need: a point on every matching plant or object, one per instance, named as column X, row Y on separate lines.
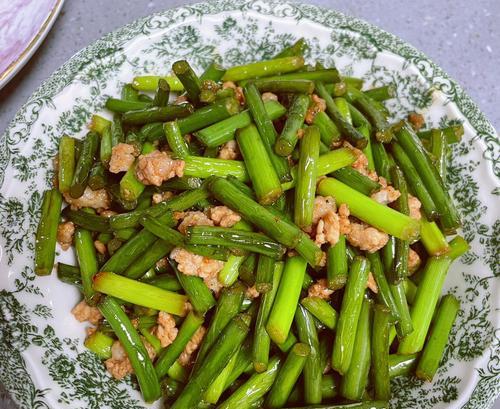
column 42, row 360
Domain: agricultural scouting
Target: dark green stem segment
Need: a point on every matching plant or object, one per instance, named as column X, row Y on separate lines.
column 264, row 68
column 324, row 75
column 84, row 164
column 278, row 229
column 307, row 172
column 356, row 180
column 384, row 295
column 162, row 93
column 235, row 239
column 66, row 163
column 199, row 295
column 281, row 316
column 313, row 370
column 356, row 138
column 228, row 343
column 381, row 93
column 453, row 133
column 381, row 127
column 223, row 131
column 135, row 349
column 439, row 150
column 148, row 259
column 121, row 106
column 368, row 210
column 404, row 326
column 286, row 86
column 349, row 314
column 402, row 247
column 296, row 49
column 175, row 141
column 261, row 340
column 415, row 181
column 170, row 354
column 252, row 391
column 380, row 352
column 189, row 79
column 401, row 365
column 129, row 252
column 428, row 292
column 321, row 310
column 355, row 380
column 288, row 138
column 163, row 231
column 327, row 129
column 208, row 115
column 288, row 375
column 266, row 130
column 265, row 181
column 381, row 160
column 157, row 114
column 87, row 260
column 264, row 274
column 46, row 233
column 336, row 264
column 140, row 293
column 412, row 145
column 440, row 331
column 228, row 306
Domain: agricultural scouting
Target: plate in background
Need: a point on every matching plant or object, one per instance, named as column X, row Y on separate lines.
column 23, row 27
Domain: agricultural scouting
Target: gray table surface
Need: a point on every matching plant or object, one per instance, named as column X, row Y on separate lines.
column 462, row 37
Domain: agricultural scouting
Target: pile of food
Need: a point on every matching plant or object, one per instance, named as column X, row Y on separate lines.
column 257, row 236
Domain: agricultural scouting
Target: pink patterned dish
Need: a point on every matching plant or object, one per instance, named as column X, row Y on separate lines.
column 23, row 26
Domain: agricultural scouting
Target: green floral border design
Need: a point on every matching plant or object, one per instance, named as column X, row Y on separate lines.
column 371, row 40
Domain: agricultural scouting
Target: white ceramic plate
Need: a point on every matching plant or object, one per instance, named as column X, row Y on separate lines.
column 42, row 360
column 24, row 24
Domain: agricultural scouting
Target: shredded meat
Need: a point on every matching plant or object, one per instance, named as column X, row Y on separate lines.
column 161, row 197
column 252, row 292
column 414, row 205
column 413, row 261
column 196, row 265
column 84, row 312
column 344, row 222
column 90, row 331
column 326, row 221
column 320, row 289
column 300, row 133
column 166, row 330
column 366, row 238
column 238, row 91
column 269, row 96
column 318, row 105
column 157, row 167
column 119, row 364
column 361, row 162
column 122, row 157
column 371, row 283
column 65, row 232
column 100, row 247
column 385, row 195
column 193, row 344
column 229, row 151
column 96, row 199
column 192, row 218
column 417, row 121
column 223, row 216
